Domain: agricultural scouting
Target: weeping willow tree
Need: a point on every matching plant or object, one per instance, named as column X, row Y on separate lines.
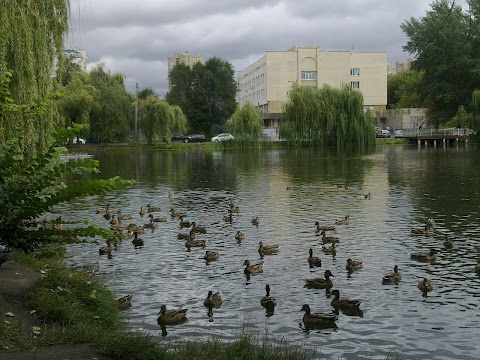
column 31, row 34
column 246, row 123
column 327, row 116
column 179, row 125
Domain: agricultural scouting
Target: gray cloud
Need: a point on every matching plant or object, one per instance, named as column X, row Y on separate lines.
column 136, row 38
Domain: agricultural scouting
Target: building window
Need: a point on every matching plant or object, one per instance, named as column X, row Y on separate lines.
column 355, row 71
column 355, row 85
column 309, row 75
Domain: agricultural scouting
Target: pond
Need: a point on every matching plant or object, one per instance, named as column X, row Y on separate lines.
column 289, row 190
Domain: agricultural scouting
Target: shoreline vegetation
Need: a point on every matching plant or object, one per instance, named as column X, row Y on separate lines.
column 76, row 307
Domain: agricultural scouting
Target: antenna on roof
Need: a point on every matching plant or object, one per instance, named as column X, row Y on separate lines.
column 353, row 47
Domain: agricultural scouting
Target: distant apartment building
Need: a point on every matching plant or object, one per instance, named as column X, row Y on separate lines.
column 398, row 67
column 77, row 56
column 405, row 118
column 266, row 82
column 182, row 58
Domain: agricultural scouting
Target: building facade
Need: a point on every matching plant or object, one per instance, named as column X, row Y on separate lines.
column 405, row 118
column 77, row 56
column 266, row 82
column 182, row 58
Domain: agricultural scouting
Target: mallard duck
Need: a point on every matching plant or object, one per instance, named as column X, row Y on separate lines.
column 319, row 283
column 368, row 196
column 189, row 236
column 157, row 219
column 184, row 223
column 228, row 218
column 329, row 249
column 198, row 229
column 255, row 221
column 142, row 212
column 268, row 302
column 425, row 230
column 103, row 210
column 310, row 319
column 353, row 265
column 323, row 227
column 234, row 210
column 239, row 236
column 392, row 278
column 477, row 267
column 105, row 250
column 171, row 317
column 136, row 240
column 211, row 255
column 313, row 260
column 107, row 215
column 328, row 239
column 267, row 249
column 344, row 303
column 194, row 243
column 213, row 300
column 344, row 221
column 425, row 257
column 425, row 285
column 252, row 269
column 133, row 228
column 448, row 243
column 174, row 213
column 430, row 222
column 150, row 225
column 125, row 302
column 114, row 220
column 122, row 217
column 151, row 208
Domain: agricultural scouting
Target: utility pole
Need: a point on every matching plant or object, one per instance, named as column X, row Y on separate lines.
column 136, row 112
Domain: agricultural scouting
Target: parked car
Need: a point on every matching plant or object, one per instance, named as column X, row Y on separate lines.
column 178, row 137
column 222, row 137
column 188, row 138
column 79, row 141
column 196, row 138
column 383, row 133
column 398, row 133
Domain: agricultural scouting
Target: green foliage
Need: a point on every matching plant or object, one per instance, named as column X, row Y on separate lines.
column 446, row 44
column 402, row 89
column 66, row 68
column 31, row 33
column 246, row 123
column 205, row 93
column 327, row 116
column 112, row 107
column 29, row 187
column 144, row 93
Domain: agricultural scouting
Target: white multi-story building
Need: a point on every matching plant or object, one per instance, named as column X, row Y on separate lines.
column 182, row 58
column 77, row 56
column 266, row 82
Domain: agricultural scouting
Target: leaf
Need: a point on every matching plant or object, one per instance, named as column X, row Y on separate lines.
column 10, row 314
column 33, row 312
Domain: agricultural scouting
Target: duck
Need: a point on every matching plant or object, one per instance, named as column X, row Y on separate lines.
column 114, row 220
column 393, row 277
column 211, row 255
column 425, row 257
column 157, row 219
column 123, row 217
column 134, row 228
column 136, row 240
column 252, row 269
column 313, row 260
column 150, row 225
column 323, row 227
column 448, row 243
column 330, row 249
column 103, row 210
column 171, row 317
column 228, row 218
column 142, row 212
column 189, row 236
column 184, row 223
column 312, row 319
column 425, row 230
column 194, row 243
column 107, row 215
column 367, row 196
column 255, row 221
column 425, row 285
column 105, row 250
column 267, row 249
column 198, row 228
column 353, row 265
column 477, row 267
column 125, row 302
column 344, row 303
column 213, row 300
column 344, row 221
column 328, row 239
column 268, row 302
column 234, row 210
column 319, row 283
column 239, row 236
column 174, row 213
column 151, row 208
column 430, row 222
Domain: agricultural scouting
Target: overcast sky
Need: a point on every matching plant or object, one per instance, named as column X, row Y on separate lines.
column 136, row 37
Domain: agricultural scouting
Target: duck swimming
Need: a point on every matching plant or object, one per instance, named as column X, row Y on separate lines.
column 393, row 277
column 171, row 317
column 319, row 283
column 252, row 269
column 313, row 260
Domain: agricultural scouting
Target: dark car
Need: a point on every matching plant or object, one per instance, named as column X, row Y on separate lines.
column 182, row 138
column 196, row 138
column 188, row 138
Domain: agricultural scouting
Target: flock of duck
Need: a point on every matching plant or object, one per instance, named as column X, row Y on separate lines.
column 214, row 300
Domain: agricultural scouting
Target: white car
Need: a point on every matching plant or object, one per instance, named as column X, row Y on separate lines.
column 79, row 141
column 222, row 137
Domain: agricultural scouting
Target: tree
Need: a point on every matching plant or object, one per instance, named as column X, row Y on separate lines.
column 31, row 34
column 402, row 89
column 65, row 69
column 327, row 116
column 144, row 93
column 205, row 93
column 246, row 123
column 445, row 43
column 111, row 111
